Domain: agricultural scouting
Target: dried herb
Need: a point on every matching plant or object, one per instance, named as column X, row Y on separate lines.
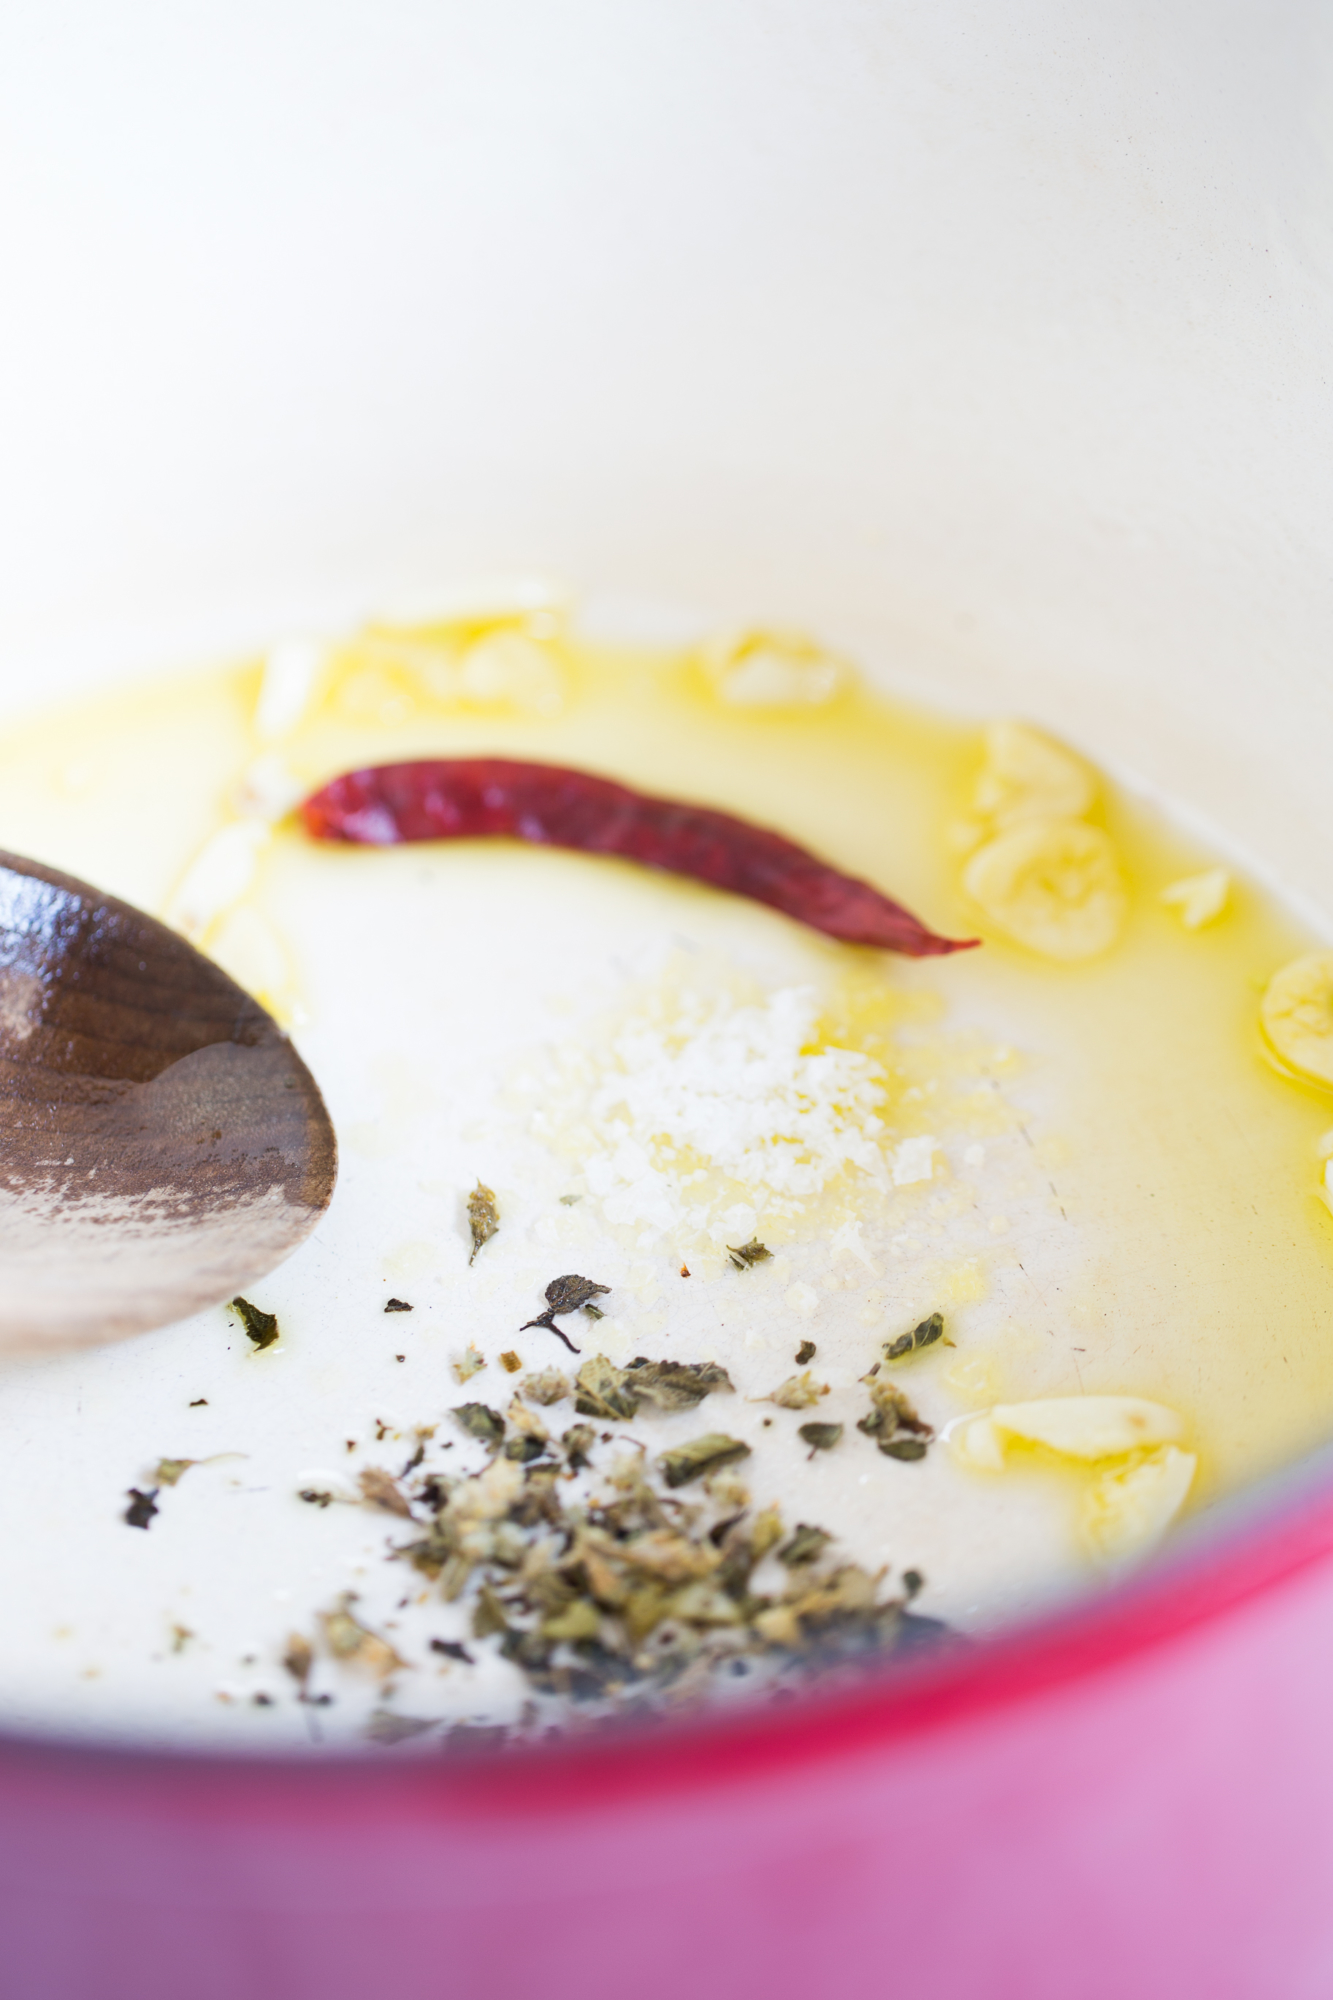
column 753, row 1252
column 905, row 1448
column 488, row 1615
column 353, row 1644
column 546, row 1387
column 168, row 1471
column 578, row 1441
column 688, row 1462
column 798, row 1392
column 570, row 1200
column 298, row 1659
column 806, row 1545
column 181, row 1636
column 483, row 1215
column 523, row 1449
column 480, row 1422
column 601, row 1390
column 805, row 1353
column 526, row 1424
column 471, row 1364
column 510, row 1362
column 676, row 1385
column 314, row 1496
column 457, row 798
column 467, row 1738
column 820, row 1437
column 199, row 1403
column 630, row 1589
column 451, row 1650
column 684, row 1270
column 894, row 1424
column 260, row 1327
column 566, row 1295
column 925, row 1335
column 380, row 1489
column 385, row 1727
column 142, row 1507
column 594, row 1312
column 397, row 1306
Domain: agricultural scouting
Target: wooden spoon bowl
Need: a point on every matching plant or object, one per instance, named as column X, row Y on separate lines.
column 164, row 1145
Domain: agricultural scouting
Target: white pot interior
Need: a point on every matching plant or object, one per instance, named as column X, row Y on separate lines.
column 993, row 346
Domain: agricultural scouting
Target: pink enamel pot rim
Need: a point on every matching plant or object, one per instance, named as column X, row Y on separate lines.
column 1247, row 1547
column 1116, row 1777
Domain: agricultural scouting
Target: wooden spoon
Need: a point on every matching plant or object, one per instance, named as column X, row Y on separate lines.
column 163, row 1143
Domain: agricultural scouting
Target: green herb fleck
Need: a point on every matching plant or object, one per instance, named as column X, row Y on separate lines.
column 820, row 1437
column 578, row 1441
column 751, row 1253
column 168, row 1470
column 486, row 1425
column 925, row 1335
column 805, row 1353
column 676, row 1385
column 567, row 1295
column 545, row 1387
column 298, row 1659
column 142, row 1507
column 798, row 1392
column 468, row 1365
column 601, row 1390
column 483, row 1214
column 380, row 1489
column 905, row 1448
column 688, row 1462
column 510, row 1362
column 352, row 1643
column 451, row 1650
column 260, row 1327
column 894, row 1424
column 524, row 1448
column 385, row 1727
column 806, row 1545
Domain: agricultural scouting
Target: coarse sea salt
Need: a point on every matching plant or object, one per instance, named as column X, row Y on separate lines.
column 747, row 1092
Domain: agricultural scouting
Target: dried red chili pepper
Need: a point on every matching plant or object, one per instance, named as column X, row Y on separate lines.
column 469, row 798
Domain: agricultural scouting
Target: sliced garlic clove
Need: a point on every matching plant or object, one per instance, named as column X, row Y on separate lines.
column 1026, row 776
column 1053, row 885
column 1296, row 1015
column 759, row 669
column 292, row 672
column 506, row 667
column 1088, row 1427
column 1126, row 1511
column 976, row 1443
column 219, row 876
column 1199, row 898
